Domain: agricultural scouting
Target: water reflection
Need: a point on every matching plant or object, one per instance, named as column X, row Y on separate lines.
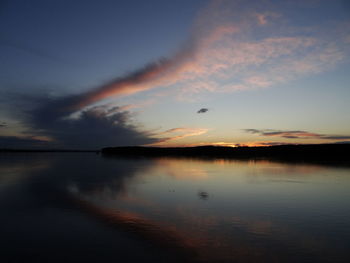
column 42, row 221
column 189, row 209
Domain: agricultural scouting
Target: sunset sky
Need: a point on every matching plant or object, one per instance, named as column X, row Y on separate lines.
column 94, row 73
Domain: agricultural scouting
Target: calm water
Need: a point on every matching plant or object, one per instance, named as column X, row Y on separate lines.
column 83, row 207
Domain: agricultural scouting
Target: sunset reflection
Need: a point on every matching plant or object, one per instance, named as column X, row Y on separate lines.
column 164, row 203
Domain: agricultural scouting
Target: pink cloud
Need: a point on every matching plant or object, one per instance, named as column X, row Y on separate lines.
column 177, row 134
column 221, row 56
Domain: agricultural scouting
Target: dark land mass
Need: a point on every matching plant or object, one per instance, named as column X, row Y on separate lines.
column 337, row 154
column 314, row 153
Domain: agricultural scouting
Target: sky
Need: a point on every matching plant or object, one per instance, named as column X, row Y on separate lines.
column 90, row 74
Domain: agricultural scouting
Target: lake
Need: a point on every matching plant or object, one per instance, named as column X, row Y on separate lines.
column 85, row 207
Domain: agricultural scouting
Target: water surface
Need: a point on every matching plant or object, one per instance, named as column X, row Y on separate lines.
column 83, row 207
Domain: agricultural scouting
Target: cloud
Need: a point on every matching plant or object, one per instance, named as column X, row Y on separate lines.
column 191, row 131
column 180, row 133
column 220, row 55
column 296, row 134
column 264, row 18
column 95, row 129
column 234, row 60
column 91, row 128
column 203, row 110
column 3, row 124
column 140, row 80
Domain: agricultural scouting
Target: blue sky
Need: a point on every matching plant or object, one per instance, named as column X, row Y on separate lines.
column 89, row 74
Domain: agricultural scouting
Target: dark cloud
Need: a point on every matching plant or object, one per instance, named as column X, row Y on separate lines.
column 251, row 130
column 294, row 134
column 3, row 124
column 92, row 128
column 336, row 137
column 203, row 110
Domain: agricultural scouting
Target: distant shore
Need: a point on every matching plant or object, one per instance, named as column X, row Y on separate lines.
column 316, row 153
column 310, row 152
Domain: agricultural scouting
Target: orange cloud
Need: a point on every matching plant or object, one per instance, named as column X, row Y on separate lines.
column 182, row 132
